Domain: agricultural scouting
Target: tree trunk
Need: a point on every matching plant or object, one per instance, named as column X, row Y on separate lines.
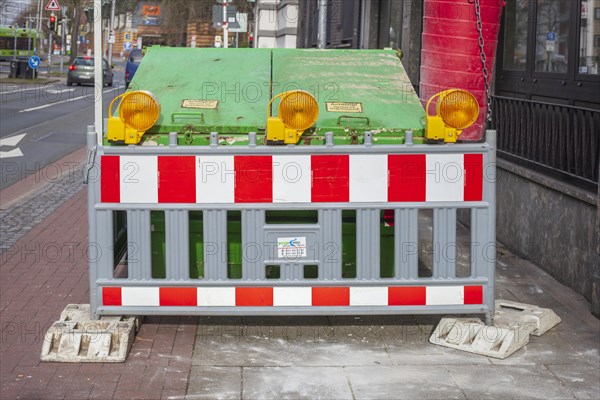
column 75, row 34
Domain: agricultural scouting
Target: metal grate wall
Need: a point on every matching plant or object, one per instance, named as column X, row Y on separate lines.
column 561, row 140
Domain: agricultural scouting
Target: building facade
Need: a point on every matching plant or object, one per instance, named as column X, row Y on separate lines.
column 546, row 110
column 166, row 24
column 276, row 23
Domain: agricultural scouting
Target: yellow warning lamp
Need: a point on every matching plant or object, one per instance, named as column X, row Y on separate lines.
column 138, row 111
column 298, row 110
column 455, row 110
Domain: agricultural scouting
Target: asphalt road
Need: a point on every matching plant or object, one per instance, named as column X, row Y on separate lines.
column 40, row 124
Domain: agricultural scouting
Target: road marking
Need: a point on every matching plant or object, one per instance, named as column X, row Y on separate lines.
column 54, row 91
column 62, row 101
column 11, row 154
column 11, row 141
column 20, row 90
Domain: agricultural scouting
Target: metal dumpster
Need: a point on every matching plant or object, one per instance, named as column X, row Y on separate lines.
column 285, row 181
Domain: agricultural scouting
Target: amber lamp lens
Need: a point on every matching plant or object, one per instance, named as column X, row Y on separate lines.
column 139, row 110
column 298, row 110
column 459, row 109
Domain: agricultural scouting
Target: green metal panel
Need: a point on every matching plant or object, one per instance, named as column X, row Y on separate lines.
column 239, row 79
column 243, row 81
column 374, row 78
column 196, row 243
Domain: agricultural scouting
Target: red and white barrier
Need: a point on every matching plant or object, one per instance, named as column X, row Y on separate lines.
column 356, row 178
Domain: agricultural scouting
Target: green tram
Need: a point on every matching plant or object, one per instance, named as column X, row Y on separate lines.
column 26, row 39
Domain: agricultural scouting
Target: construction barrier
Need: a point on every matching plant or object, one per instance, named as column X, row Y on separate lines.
column 288, row 230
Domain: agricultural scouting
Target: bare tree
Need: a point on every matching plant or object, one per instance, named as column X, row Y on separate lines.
column 76, row 18
column 177, row 14
column 21, row 17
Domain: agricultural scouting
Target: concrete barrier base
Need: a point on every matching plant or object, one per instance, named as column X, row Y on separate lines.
column 537, row 320
column 77, row 338
column 513, row 324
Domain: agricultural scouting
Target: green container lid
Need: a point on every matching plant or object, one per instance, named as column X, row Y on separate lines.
column 203, row 90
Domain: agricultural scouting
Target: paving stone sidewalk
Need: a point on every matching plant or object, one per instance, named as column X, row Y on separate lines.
column 39, row 276
column 38, row 195
column 390, row 357
column 277, row 358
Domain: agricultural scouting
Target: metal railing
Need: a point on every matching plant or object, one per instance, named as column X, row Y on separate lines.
column 561, row 140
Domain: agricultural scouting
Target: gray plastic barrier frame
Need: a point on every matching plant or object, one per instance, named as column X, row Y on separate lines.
column 328, row 230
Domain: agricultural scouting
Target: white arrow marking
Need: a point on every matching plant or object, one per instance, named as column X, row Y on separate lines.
column 11, row 154
column 12, row 141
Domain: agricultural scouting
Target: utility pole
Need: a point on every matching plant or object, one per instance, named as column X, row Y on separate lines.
column 62, row 44
column 49, row 59
column 98, row 76
column 110, row 32
column 39, row 26
column 322, row 32
column 28, row 30
column 225, row 27
column 52, row 26
column 15, row 43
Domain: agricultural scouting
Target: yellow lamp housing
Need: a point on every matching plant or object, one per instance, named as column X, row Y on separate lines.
column 455, row 110
column 298, row 110
column 138, row 111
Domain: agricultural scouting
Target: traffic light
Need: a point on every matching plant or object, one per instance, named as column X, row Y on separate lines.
column 52, row 23
column 250, row 41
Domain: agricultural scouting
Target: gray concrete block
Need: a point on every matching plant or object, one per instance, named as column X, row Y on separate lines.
column 403, row 382
column 581, row 379
column 537, row 320
column 76, row 338
column 544, row 224
column 214, row 383
column 472, row 335
column 508, row 382
column 296, row 383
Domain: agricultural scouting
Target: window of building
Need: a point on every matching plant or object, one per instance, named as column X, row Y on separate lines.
column 589, row 43
column 549, row 51
column 515, row 35
column 553, row 21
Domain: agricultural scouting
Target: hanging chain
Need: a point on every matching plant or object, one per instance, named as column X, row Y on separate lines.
column 483, row 58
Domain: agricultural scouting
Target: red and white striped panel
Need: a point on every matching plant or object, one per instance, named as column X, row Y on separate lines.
column 356, row 178
column 318, row 296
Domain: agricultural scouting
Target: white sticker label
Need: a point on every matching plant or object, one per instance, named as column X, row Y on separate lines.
column 291, row 247
column 344, row 107
column 198, row 103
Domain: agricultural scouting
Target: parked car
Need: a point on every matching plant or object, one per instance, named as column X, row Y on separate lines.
column 133, row 61
column 82, row 71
